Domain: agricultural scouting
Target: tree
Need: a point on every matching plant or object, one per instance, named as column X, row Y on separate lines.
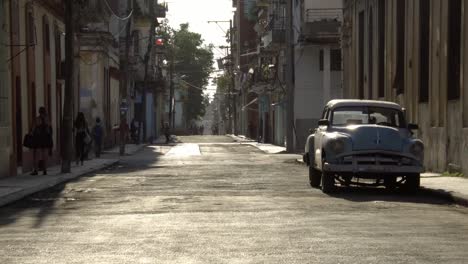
column 193, row 60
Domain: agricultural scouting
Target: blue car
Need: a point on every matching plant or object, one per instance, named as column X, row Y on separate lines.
column 364, row 142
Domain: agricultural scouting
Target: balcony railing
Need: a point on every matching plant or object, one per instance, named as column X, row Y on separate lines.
column 323, row 14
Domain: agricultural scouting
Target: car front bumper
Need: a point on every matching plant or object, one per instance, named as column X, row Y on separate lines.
column 372, row 169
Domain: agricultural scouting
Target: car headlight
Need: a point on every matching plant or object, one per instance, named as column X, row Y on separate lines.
column 417, row 149
column 337, row 146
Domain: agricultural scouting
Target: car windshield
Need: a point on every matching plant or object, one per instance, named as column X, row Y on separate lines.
column 365, row 115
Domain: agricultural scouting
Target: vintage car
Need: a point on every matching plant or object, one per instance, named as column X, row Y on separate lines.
column 364, row 142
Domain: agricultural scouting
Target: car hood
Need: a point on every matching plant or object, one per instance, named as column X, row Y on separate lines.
column 374, row 137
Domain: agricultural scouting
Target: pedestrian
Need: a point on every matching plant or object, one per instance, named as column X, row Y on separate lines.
column 82, row 137
column 134, row 132
column 42, row 142
column 123, row 129
column 167, row 132
column 97, row 133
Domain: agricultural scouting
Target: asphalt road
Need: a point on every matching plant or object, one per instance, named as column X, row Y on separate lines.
column 225, row 203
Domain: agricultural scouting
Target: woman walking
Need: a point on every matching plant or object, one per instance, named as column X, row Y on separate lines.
column 81, row 136
column 42, row 141
column 97, row 137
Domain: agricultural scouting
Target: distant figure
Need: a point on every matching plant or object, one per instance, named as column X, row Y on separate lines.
column 82, row 137
column 42, row 141
column 134, row 132
column 98, row 133
column 167, row 132
column 123, row 128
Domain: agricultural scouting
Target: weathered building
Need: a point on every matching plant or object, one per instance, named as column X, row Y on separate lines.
column 414, row 52
column 145, row 62
column 317, row 62
column 6, row 143
column 99, row 67
column 32, row 33
column 244, row 57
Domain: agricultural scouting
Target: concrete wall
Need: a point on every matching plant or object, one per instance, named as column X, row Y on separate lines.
column 5, row 92
column 443, row 123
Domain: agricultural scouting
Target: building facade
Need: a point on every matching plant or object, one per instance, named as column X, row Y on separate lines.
column 415, row 53
column 6, row 143
column 317, row 62
column 99, row 67
column 35, row 49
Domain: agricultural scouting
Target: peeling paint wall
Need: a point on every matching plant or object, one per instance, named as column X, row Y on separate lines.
column 443, row 123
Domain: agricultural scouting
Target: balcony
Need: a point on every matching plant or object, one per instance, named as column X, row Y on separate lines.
column 322, row 25
column 315, row 15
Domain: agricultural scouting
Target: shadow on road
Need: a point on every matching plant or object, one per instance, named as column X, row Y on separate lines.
column 367, row 194
column 44, row 203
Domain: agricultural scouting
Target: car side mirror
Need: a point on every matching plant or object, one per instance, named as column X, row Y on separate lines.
column 323, row 122
column 413, row 127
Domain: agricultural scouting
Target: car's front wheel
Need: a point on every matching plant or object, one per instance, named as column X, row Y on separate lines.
column 328, row 182
column 412, row 183
column 314, row 177
column 390, row 182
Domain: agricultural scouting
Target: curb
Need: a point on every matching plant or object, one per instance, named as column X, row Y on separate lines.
column 61, row 178
column 455, row 197
column 20, row 194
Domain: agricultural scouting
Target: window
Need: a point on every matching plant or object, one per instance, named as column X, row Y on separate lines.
column 399, row 82
column 424, row 30
column 31, row 37
column 3, row 103
column 364, row 115
column 370, row 57
column 46, row 35
column 321, row 60
column 454, row 46
column 381, row 51
column 361, row 56
column 335, row 59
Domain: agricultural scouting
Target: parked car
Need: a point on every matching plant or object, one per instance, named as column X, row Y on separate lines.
column 364, row 139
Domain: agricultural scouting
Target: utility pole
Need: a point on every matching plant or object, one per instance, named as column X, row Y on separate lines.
column 233, row 81
column 147, row 60
column 289, row 78
column 171, row 91
column 67, row 122
column 124, row 86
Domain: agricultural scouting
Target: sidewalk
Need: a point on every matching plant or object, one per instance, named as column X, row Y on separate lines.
column 452, row 188
column 16, row 188
column 267, row 148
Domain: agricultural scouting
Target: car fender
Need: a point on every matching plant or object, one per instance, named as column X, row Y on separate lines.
column 309, row 149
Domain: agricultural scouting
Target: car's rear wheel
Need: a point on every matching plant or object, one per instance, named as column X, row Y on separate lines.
column 314, row 177
column 328, row 182
column 412, row 183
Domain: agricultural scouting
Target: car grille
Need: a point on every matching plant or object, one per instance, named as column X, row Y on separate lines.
column 376, row 159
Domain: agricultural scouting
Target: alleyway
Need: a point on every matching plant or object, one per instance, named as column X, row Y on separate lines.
column 211, row 200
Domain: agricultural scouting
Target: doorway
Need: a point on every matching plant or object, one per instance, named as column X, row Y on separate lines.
column 18, row 122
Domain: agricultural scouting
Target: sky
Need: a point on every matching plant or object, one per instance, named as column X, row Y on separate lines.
column 197, row 13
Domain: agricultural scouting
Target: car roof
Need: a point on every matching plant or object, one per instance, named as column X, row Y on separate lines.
column 357, row 102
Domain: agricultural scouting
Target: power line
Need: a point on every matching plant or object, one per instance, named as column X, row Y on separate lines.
column 193, row 86
column 118, row 17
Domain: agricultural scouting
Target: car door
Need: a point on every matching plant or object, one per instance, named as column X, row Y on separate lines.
column 319, row 135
